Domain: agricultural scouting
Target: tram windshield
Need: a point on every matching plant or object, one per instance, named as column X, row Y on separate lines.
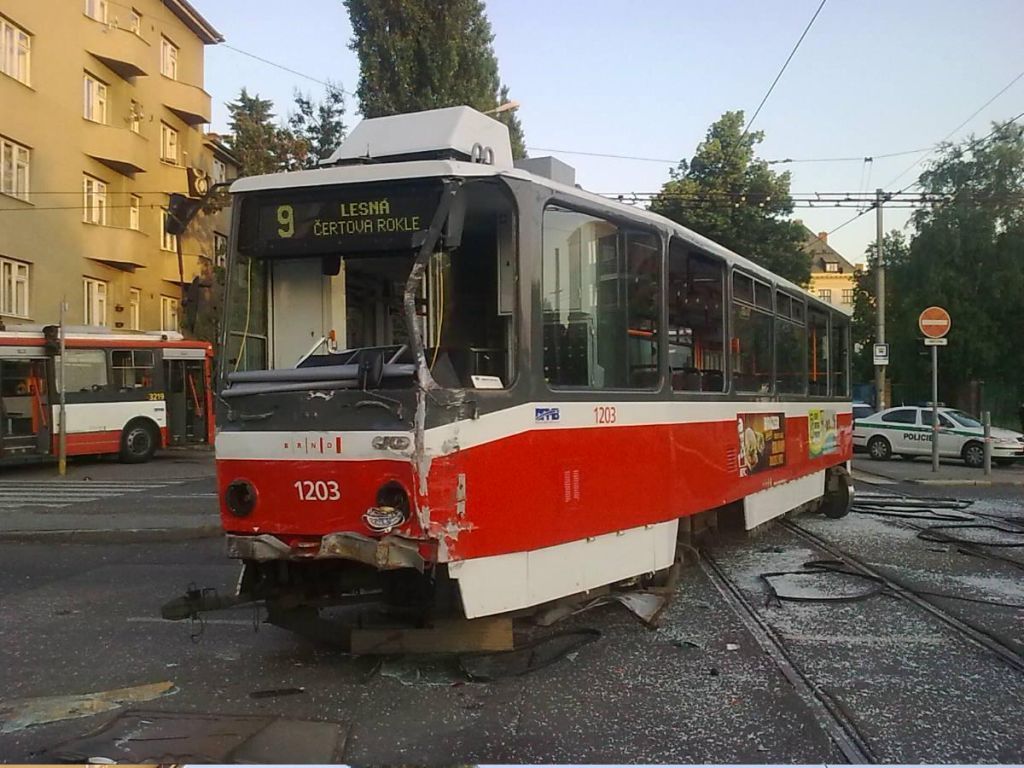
column 317, row 284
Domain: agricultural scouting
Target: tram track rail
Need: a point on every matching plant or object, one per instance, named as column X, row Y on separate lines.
column 963, row 629
column 827, row 711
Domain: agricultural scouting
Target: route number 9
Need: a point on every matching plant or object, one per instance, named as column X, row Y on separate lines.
column 286, row 218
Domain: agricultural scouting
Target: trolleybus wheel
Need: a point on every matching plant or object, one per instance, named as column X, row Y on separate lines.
column 974, row 454
column 139, row 441
column 879, row 448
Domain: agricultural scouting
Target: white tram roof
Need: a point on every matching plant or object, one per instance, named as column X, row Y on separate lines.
column 463, row 131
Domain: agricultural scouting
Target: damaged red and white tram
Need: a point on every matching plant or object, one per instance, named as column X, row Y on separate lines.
column 459, row 381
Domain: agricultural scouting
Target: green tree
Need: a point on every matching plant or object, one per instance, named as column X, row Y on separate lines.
column 321, row 126
column 728, row 194
column 424, row 54
column 863, row 331
column 967, row 255
column 260, row 144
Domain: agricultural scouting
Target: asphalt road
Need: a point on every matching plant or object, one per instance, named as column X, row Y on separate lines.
column 84, row 618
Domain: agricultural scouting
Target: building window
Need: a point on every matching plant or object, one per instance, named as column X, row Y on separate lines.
column 135, row 21
column 134, row 204
column 168, row 144
column 95, row 302
column 168, row 59
column 95, row 99
column 168, row 241
column 15, row 51
column 96, row 9
column 135, row 117
column 825, row 294
column 847, row 295
column 14, row 166
column 13, row 288
column 168, row 314
column 95, row 203
column 610, row 341
column 220, row 171
column 220, row 249
column 831, row 266
column 134, row 309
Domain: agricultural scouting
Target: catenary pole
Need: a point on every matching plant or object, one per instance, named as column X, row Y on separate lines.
column 880, row 300
column 62, row 460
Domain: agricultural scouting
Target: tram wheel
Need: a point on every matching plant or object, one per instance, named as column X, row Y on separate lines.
column 838, row 495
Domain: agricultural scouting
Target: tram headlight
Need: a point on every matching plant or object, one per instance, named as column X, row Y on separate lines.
column 391, row 442
column 240, row 497
column 391, row 510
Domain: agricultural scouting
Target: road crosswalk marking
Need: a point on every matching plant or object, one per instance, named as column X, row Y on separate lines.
column 57, row 494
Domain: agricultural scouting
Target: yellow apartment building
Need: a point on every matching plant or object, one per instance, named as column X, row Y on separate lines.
column 102, row 116
column 832, row 276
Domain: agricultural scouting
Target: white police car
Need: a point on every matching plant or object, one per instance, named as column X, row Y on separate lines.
column 907, row 431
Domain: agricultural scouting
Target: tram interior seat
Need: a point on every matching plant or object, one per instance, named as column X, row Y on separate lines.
column 697, row 380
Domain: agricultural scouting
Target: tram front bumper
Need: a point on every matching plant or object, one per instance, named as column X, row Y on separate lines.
column 387, row 553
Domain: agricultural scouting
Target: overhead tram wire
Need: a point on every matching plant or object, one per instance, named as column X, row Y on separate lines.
column 973, row 115
column 786, row 64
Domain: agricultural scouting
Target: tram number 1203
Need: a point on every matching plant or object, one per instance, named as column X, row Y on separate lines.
column 604, row 414
column 318, row 490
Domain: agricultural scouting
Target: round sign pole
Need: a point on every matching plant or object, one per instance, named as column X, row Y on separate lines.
column 934, row 323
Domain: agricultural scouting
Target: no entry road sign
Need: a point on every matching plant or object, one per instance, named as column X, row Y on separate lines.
column 934, row 322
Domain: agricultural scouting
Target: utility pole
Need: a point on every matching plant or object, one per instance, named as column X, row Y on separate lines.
column 880, row 300
column 62, row 437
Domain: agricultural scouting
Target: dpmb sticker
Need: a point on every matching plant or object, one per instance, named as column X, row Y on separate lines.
column 762, row 442
column 546, row 414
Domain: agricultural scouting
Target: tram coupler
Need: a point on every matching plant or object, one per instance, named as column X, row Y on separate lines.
column 196, row 601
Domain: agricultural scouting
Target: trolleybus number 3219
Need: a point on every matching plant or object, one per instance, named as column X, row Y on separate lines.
column 318, row 490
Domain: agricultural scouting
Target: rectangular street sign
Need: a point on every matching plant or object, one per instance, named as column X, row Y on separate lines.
column 936, row 342
column 880, row 354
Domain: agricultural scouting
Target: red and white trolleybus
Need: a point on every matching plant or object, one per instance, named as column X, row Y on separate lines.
column 125, row 393
column 451, row 379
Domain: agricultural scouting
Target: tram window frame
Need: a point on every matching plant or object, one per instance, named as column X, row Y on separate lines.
column 816, row 388
column 132, row 369
column 696, row 376
column 789, row 314
column 744, row 309
column 839, row 356
column 595, row 316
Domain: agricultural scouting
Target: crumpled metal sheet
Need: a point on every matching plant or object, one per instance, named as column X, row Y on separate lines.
column 140, row 736
column 24, row 713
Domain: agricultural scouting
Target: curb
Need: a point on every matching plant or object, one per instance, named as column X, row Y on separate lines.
column 114, row 535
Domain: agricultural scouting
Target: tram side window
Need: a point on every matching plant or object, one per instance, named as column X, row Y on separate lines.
column 817, row 345
column 600, row 300
column 696, row 331
column 840, row 351
column 247, row 314
column 790, row 345
column 85, row 369
column 132, row 369
column 752, row 334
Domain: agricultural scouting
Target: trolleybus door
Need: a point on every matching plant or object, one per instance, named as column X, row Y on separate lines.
column 25, row 428
column 185, row 388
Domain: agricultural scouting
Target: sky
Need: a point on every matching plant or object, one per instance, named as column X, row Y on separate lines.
column 646, row 79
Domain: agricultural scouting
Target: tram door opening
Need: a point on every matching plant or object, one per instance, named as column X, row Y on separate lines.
column 186, row 401
column 25, row 414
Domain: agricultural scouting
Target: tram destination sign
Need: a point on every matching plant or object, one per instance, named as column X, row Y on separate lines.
column 331, row 220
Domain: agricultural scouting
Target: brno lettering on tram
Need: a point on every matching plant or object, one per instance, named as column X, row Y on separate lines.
column 466, row 382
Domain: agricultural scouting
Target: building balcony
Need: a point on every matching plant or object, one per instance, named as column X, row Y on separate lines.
column 189, row 102
column 116, row 247
column 117, row 148
column 123, row 51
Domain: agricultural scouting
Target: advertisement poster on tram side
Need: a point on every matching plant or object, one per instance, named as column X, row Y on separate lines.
column 822, row 432
column 762, row 442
